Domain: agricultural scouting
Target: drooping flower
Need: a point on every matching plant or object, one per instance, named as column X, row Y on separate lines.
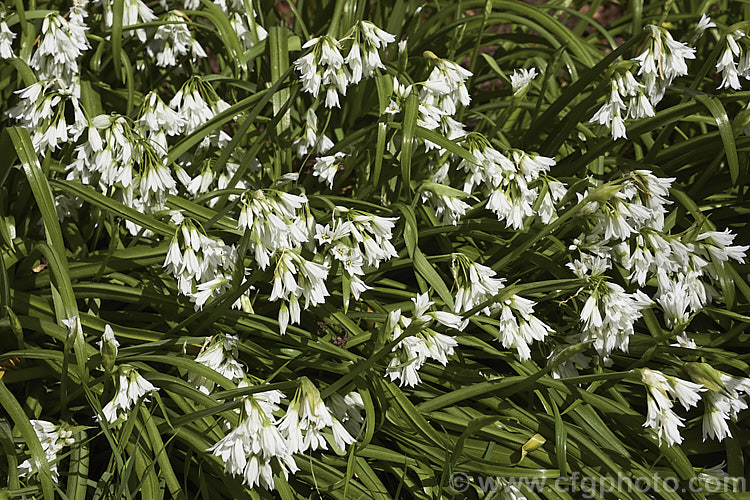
column 326, row 167
column 256, row 448
column 308, row 420
column 52, row 438
column 221, row 356
column 130, row 388
column 661, row 417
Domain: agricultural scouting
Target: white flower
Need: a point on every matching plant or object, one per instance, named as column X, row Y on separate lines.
column 311, row 140
column 626, row 99
column 134, row 12
column 52, row 438
column 61, row 43
column 323, row 67
column 255, row 447
column 307, row 418
column 518, row 327
column 660, row 414
column 684, row 341
column 725, row 399
column 220, row 356
column 521, row 78
column 6, row 41
column 726, row 64
column 662, row 60
column 716, row 416
column 130, row 388
column 444, row 89
column 613, row 329
column 326, row 167
column 173, row 40
column 450, row 209
column 703, row 24
column 665, row 421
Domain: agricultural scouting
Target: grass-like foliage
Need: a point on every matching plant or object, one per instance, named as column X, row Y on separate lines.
column 374, row 249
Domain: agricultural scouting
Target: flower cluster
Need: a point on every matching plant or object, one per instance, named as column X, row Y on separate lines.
column 725, row 396
column 623, row 88
column 255, row 446
column 53, row 438
column 628, row 229
column 477, row 286
column 51, row 112
column 203, row 266
column 60, row 45
column 324, row 67
column 734, row 61
column 512, row 185
column 357, row 241
column 220, row 355
column 133, row 12
column 661, row 61
column 263, row 443
column 116, row 157
column 419, row 342
column 6, row 39
column 660, row 414
column 130, row 388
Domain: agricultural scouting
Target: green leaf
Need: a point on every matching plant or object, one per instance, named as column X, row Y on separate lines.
column 427, row 271
column 118, row 7
column 725, row 130
column 407, row 140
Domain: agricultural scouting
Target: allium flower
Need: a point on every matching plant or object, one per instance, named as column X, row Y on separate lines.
column 412, row 352
column 61, row 43
column 174, row 40
column 52, row 438
column 275, row 220
column 256, row 447
column 239, row 22
column 626, row 99
column 660, row 414
column 608, row 315
column 703, row 24
column 196, row 103
column 311, row 140
column 306, row 420
column 220, row 356
column 445, row 87
column 51, row 112
column 295, row 277
column 324, row 67
column 725, row 398
column 363, row 58
column 156, row 117
column 130, row 388
column 326, row 167
column 134, row 12
column 511, row 185
column 6, row 41
column 521, row 78
column 727, row 65
column 662, row 60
